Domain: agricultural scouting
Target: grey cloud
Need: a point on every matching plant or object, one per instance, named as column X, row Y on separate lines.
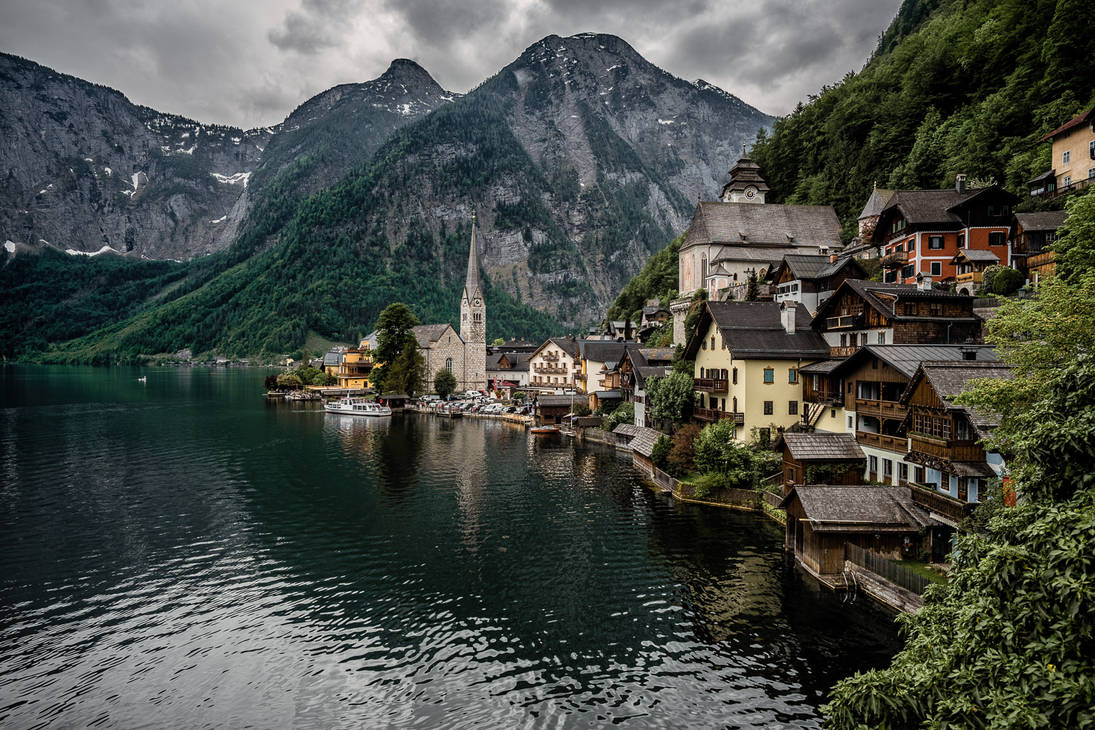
column 318, row 25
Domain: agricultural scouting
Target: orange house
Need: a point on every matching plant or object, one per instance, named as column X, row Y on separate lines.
column 921, row 231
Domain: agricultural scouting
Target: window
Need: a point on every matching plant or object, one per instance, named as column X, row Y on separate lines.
column 937, row 268
column 850, row 424
column 1066, row 157
column 874, row 466
column 862, row 339
column 882, row 337
column 935, row 243
column 703, row 344
column 907, row 271
column 769, row 375
column 961, row 240
column 448, row 364
column 792, row 408
column 769, row 407
column 792, row 375
column 1067, row 181
column 887, row 469
column 997, row 238
column 1091, row 173
column 961, row 430
column 918, row 474
column 712, row 342
column 734, row 372
column 936, row 309
column 910, row 309
column 1091, row 149
column 902, row 472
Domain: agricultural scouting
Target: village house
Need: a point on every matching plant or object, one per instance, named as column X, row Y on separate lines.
column 811, row 278
column 867, row 312
column 638, row 364
column 747, row 356
column 1073, row 156
column 969, row 266
column 818, row 457
column 552, row 410
column 598, row 374
column 1033, row 235
column 920, row 231
column 331, row 361
column 944, row 437
column 868, row 217
column 354, row 367
column 554, row 366
column 864, row 393
column 508, row 370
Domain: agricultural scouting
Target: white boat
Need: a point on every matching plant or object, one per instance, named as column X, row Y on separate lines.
column 357, row 407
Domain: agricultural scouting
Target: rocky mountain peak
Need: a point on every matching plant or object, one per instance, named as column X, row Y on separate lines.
column 406, row 71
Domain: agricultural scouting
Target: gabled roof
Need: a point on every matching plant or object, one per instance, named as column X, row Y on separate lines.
column 332, row 358
column 949, row 379
column 822, row 446
column 905, row 359
column 820, row 368
column 754, row 330
column 814, row 266
column 859, row 508
column 880, row 296
column 644, row 441
column 935, row 207
column 602, row 350
column 427, row 334
column 754, row 223
column 626, row 429
column 1048, row 220
column 569, row 345
column 657, row 354
column 977, row 255
column 1071, row 124
column 558, row 401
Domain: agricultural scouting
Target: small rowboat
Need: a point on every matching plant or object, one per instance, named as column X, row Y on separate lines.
column 544, row 430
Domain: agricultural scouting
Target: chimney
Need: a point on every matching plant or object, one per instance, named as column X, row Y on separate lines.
column 787, row 311
column 960, row 182
column 923, row 283
column 832, row 258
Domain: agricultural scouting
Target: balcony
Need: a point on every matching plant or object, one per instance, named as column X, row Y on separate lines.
column 881, row 408
column 895, row 260
column 712, row 415
column 933, row 500
column 824, row 397
column 844, row 321
column 712, row 385
column 900, row 444
column 552, row 356
column 969, row 277
column 944, row 449
column 551, row 369
column 842, row 351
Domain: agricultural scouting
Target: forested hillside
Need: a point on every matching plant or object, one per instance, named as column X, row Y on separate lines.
column 956, row 86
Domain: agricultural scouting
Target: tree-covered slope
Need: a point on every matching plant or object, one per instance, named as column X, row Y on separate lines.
column 956, row 86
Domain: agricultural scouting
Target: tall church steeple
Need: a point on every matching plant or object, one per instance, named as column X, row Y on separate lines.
column 473, row 319
column 746, row 185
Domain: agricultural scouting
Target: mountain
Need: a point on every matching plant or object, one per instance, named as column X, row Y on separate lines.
column 84, row 168
column 955, row 86
column 580, row 157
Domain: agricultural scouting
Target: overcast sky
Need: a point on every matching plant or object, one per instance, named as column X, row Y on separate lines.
column 251, row 62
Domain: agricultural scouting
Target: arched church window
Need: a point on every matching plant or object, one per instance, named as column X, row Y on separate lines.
column 448, row 364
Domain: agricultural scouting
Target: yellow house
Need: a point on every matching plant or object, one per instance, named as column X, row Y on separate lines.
column 1073, row 157
column 354, row 368
column 747, row 357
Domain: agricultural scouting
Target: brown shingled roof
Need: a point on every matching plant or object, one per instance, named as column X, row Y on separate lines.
column 859, row 508
column 822, row 446
column 761, row 223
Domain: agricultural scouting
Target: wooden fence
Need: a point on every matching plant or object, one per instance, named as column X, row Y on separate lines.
column 899, row 575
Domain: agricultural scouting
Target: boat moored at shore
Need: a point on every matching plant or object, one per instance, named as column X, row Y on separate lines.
column 349, row 406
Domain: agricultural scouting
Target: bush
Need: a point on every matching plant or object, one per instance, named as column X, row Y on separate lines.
column 659, row 455
column 704, row 484
column 682, row 457
column 1006, row 281
column 988, row 276
column 624, row 413
column 580, row 409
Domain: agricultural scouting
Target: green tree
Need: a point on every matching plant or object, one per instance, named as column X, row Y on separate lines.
column 682, row 457
column 444, row 383
column 1007, row 280
column 624, row 413
column 405, row 374
column 659, row 454
column 751, row 287
column 394, row 333
column 1076, row 246
column 670, row 397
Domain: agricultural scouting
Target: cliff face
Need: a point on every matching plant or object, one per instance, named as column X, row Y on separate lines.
column 84, row 168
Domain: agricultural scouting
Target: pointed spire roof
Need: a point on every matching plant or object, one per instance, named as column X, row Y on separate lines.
column 472, row 284
column 744, row 173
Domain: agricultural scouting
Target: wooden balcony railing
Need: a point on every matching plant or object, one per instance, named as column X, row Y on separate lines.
column 932, row 499
column 900, row 444
column 969, row 277
column 710, row 414
column 711, row 385
column 842, row 350
column 551, row 369
column 880, row 408
column 943, row 449
column 824, row 397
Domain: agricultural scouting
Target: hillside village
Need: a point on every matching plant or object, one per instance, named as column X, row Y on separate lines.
column 845, row 359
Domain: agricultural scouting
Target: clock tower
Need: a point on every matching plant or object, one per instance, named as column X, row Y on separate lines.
column 746, row 185
column 473, row 321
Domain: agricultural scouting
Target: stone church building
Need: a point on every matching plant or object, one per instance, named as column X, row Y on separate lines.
column 465, row 354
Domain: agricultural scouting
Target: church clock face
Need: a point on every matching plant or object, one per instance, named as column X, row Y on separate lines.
column 750, row 192
column 477, row 302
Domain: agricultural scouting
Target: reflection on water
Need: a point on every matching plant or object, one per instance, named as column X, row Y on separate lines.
column 182, row 553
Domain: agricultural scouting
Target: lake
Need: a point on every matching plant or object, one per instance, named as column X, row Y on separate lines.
column 182, row 553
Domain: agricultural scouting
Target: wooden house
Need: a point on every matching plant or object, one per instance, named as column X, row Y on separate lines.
column 638, row 364
column 822, row 519
column 969, row 266
column 551, row 409
column 866, row 312
column 1033, row 237
column 920, row 231
column 820, row 458
column 944, row 437
column 811, row 279
column 1073, row 156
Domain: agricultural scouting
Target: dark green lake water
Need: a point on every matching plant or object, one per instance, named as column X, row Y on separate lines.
column 181, row 553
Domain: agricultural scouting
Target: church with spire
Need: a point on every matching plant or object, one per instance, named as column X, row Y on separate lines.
column 464, row 353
